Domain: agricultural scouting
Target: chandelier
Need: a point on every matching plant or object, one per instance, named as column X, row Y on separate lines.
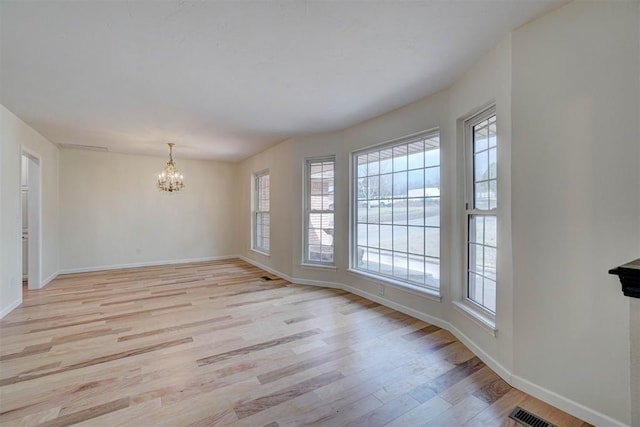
column 170, row 179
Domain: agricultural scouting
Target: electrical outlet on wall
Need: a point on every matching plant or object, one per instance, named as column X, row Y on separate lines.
column 381, row 290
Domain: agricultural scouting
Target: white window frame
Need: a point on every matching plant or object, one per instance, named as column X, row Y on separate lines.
column 257, row 177
column 470, row 306
column 309, row 162
column 423, row 289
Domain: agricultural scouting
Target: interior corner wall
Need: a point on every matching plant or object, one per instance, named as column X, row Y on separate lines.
column 576, row 203
column 278, row 160
column 17, row 136
column 112, row 215
column 10, row 223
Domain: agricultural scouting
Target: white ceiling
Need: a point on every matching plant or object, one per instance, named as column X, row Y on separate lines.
column 227, row 79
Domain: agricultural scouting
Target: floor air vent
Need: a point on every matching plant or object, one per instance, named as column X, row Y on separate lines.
column 526, row 418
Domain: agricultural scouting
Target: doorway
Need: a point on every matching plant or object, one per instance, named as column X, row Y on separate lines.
column 30, row 190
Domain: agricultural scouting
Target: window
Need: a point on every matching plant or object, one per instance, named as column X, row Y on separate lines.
column 396, row 208
column 261, row 220
column 319, row 211
column 481, row 209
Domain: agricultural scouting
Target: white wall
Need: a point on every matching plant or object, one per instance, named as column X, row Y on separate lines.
column 566, row 93
column 576, row 199
column 111, row 213
column 17, row 136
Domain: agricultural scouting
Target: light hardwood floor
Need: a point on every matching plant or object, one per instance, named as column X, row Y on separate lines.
column 214, row 344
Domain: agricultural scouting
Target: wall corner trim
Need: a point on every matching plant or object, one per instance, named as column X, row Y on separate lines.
column 46, row 281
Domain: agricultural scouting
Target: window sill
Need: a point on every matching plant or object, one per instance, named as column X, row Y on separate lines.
column 258, row 251
column 319, row 266
column 481, row 319
column 411, row 289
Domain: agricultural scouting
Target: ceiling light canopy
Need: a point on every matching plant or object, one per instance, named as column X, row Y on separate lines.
column 170, row 179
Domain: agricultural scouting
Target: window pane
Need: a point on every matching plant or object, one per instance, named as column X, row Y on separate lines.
column 432, row 212
column 400, row 158
column 362, row 211
column 400, row 238
column 386, row 236
column 386, row 186
column 416, row 240
column 480, row 134
column 431, row 179
column 319, row 205
column 400, row 184
column 315, row 253
column 432, row 248
column 416, row 183
column 482, row 195
column 386, row 161
column 415, row 211
column 400, row 211
column 261, row 209
column 362, row 235
column 400, row 265
column 416, row 155
column 489, row 295
column 432, row 158
column 362, row 166
column 475, row 288
column 373, row 234
column 391, row 200
column 373, row 211
column 361, row 259
column 386, row 262
column 373, row 163
column 490, row 231
column 481, row 165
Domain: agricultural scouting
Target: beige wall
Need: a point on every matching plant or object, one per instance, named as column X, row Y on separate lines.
column 566, row 93
column 278, row 160
column 576, row 199
column 111, row 213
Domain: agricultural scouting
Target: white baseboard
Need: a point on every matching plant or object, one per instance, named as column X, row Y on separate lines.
column 398, row 307
column 10, row 307
column 498, row 368
column 567, row 405
column 563, row 403
column 143, row 264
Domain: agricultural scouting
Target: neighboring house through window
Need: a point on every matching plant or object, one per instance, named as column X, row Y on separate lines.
column 319, row 211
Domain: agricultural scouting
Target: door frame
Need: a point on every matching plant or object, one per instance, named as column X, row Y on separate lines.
column 34, row 214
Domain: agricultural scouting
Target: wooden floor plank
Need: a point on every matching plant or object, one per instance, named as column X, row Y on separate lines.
column 213, row 343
